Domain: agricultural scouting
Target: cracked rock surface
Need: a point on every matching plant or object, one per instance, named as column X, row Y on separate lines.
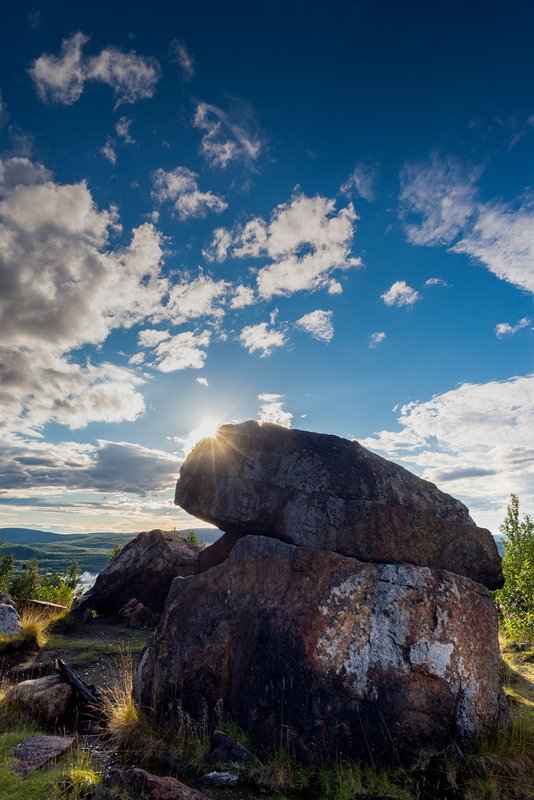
column 333, row 654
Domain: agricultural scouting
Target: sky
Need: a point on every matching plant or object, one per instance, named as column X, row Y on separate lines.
column 316, row 214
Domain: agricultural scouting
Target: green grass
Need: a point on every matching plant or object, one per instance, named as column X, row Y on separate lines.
column 67, row 777
column 86, row 650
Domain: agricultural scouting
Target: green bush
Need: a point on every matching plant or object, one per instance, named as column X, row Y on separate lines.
column 29, row 584
column 515, row 601
column 6, row 568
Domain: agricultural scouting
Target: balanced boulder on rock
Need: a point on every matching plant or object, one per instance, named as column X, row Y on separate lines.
column 322, row 491
column 144, row 569
column 339, row 656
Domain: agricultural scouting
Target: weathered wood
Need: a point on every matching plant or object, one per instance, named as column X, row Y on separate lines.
column 88, row 694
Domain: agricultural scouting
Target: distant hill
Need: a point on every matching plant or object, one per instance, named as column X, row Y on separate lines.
column 55, row 552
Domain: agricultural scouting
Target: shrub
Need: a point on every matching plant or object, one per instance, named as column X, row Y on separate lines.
column 6, row 568
column 29, row 584
column 515, row 601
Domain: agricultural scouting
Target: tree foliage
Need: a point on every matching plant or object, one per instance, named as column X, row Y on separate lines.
column 6, row 568
column 515, row 601
column 59, row 588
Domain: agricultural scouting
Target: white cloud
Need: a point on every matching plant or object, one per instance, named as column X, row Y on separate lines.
column 305, row 239
column 505, row 329
column 197, row 298
column 39, row 466
column 318, row 324
column 108, row 151
column 61, row 79
column 182, row 351
column 202, row 381
column 20, row 171
column 441, row 194
column 218, row 248
column 262, row 337
column 122, row 128
column 180, row 186
column 271, row 410
column 38, row 386
column 377, row 338
column 362, row 181
column 228, row 136
column 436, row 282
column 502, row 238
column 181, row 56
column 400, row 294
column 151, row 337
column 476, row 441
column 244, row 296
column 334, row 287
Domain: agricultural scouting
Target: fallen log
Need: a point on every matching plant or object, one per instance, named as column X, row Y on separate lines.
column 88, row 695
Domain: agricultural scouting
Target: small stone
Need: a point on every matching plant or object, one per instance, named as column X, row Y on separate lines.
column 225, row 750
column 10, row 624
column 217, row 778
column 37, row 751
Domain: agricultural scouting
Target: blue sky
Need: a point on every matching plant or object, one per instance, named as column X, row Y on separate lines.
column 316, row 214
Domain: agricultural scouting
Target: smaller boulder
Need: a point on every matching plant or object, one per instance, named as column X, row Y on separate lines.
column 136, row 615
column 143, row 785
column 10, row 623
column 225, row 750
column 35, row 752
column 144, row 569
column 48, row 698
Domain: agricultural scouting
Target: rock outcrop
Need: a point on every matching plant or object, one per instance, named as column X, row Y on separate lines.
column 333, row 654
column 144, row 569
column 329, row 493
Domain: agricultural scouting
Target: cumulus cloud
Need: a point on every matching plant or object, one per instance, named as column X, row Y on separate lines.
column 38, row 386
column 271, row 410
column 305, row 241
column 376, row 338
column 182, row 351
column 502, row 239
column 400, row 294
column 20, row 171
column 181, row 56
column 62, row 78
column 262, row 337
column 107, row 467
column 228, row 135
column 437, row 198
column 362, row 181
column 318, row 324
column 201, row 297
column 151, row 337
column 202, row 381
column 244, row 296
column 505, row 329
column 477, row 439
column 180, row 186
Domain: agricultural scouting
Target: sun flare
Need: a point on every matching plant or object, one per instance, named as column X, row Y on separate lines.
column 206, row 429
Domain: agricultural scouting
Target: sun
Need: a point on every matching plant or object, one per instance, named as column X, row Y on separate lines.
column 206, row 429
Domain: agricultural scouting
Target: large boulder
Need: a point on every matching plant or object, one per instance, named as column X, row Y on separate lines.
column 144, row 569
column 325, row 492
column 337, row 656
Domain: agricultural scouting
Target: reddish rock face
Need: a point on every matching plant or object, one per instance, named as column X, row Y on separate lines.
column 337, row 656
column 144, row 569
column 325, row 492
